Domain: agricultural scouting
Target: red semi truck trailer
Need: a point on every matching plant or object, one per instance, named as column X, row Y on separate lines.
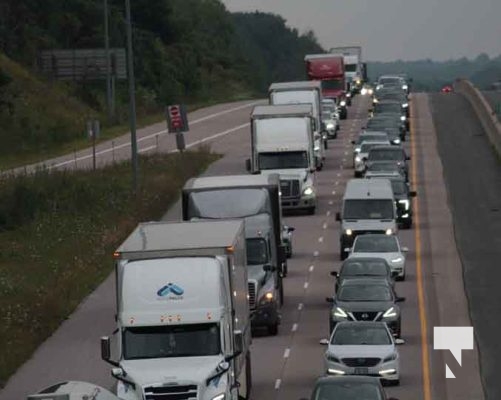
column 329, row 69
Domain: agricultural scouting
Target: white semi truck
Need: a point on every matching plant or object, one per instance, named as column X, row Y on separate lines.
column 304, row 92
column 282, row 142
column 183, row 328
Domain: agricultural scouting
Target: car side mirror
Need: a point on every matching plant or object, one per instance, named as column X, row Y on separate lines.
column 335, row 274
column 399, row 341
column 338, row 216
column 353, row 142
column 412, row 193
column 248, row 165
column 347, row 250
column 329, row 300
column 399, row 299
column 269, row 268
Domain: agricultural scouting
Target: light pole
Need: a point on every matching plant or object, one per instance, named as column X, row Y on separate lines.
column 132, row 98
column 108, row 63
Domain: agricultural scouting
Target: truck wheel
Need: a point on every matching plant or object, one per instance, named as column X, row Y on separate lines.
column 281, row 292
column 244, row 390
column 326, row 144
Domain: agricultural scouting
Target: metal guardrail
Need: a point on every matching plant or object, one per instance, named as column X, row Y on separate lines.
column 483, row 109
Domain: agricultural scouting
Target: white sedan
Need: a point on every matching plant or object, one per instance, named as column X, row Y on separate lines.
column 382, row 246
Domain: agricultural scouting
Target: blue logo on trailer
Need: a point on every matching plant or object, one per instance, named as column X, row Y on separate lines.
column 170, row 288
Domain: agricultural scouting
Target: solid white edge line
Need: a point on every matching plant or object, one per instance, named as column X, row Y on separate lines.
column 278, row 382
column 300, row 306
column 312, row 267
column 287, row 352
column 305, row 286
column 294, row 327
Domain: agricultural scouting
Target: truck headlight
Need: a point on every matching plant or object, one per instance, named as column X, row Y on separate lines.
column 330, row 126
column 396, row 141
column 389, row 231
column 308, row 191
column 375, row 101
column 405, row 87
column 343, row 103
column 405, row 105
column 390, row 313
column 371, row 91
column 405, row 203
column 402, row 118
column 358, row 159
column 340, row 313
column 316, row 148
column 219, row 397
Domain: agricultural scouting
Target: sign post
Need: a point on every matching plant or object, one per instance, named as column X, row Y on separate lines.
column 93, row 132
column 177, row 122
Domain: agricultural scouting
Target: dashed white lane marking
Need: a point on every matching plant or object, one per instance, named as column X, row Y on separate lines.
column 316, row 253
column 331, row 202
column 294, row 327
column 333, row 192
column 287, row 352
column 345, row 153
column 337, row 183
column 300, row 306
column 306, row 284
column 312, row 267
column 324, row 226
column 321, row 239
column 338, row 174
column 278, row 382
column 328, row 213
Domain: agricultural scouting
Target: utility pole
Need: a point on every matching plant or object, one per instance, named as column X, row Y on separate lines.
column 132, row 99
column 108, row 63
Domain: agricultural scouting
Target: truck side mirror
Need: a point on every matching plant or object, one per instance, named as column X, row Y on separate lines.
column 248, row 165
column 338, row 216
column 105, row 348
column 353, row 142
column 282, row 254
column 238, row 339
column 335, row 274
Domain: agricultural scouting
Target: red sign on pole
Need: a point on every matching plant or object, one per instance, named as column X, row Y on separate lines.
column 177, row 120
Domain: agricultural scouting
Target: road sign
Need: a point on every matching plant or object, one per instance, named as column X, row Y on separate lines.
column 82, row 64
column 177, row 119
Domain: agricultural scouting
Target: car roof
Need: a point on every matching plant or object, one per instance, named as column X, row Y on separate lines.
column 363, row 259
column 363, row 281
column 392, row 148
column 360, row 323
column 325, row 380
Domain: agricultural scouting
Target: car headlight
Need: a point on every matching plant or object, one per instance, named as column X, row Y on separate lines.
column 348, row 94
column 343, row 103
column 389, row 231
column 340, row 313
column 316, row 148
column 335, row 372
column 405, row 105
column 219, row 397
column 358, row 82
column 332, row 358
column 402, row 118
column 330, row 126
column 358, row 159
column 363, row 92
column 357, row 150
column 397, row 260
column 405, row 87
column 379, row 87
column 391, row 357
column 390, row 313
column 308, row 191
column 349, row 232
column 396, row 141
column 405, row 203
column 375, row 101
column 371, row 91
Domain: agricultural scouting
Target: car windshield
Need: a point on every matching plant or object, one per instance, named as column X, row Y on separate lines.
column 257, row 251
column 369, row 292
column 347, row 391
column 390, row 81
column 364, row 268
column 367, row 146
column 283, row 160
column 369, row 137
column 368, row 209
column 384, row 108
column 386, row 154
column 360, row 334
column 171, row 341
column 376, row 244
column 383, row 166
column 399, row 187
column 227, row 203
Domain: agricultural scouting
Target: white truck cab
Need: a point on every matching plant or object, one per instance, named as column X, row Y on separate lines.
column 183, row 327
column 282, row 143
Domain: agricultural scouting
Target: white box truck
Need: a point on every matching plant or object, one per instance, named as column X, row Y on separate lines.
column 354, row 68
column 304, row 92
column 281, row 142
column 183, row 328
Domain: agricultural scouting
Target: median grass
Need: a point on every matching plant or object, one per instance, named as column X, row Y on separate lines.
column 58, row 231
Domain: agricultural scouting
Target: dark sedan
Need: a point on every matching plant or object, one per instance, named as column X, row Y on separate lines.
column 390, row 153
column 363, row 267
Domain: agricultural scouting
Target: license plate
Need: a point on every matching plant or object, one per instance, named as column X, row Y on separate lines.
column 361, row 371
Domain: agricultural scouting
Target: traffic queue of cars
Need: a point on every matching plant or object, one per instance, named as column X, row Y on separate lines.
column 365, row 318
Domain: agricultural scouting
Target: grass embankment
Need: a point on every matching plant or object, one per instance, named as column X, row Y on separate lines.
column 41, row 119
column 59, row 230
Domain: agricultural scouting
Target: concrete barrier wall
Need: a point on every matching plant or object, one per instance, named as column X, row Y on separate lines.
column 483, row 109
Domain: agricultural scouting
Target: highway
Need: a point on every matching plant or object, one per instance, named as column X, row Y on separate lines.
column 285, row 366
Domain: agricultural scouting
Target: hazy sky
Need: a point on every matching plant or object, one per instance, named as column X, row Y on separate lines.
column 394, row 29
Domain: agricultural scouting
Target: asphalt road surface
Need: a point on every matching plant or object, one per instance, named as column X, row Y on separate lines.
column 475, row 200
column 285, row 366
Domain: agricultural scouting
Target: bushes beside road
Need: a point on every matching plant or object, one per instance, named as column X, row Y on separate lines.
column 58, row 231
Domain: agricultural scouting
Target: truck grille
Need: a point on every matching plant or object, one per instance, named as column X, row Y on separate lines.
column 361, row 362
column 252, row 294
column 365, row 315
column 290, row 188
column 181, row 392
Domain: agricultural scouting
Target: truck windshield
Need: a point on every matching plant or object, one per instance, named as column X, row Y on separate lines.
column 227, row 203
column 368, row 209
column 257, row 251
column 283, row 160
column 332, row 85
column 350, row 67
column 171, row 341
